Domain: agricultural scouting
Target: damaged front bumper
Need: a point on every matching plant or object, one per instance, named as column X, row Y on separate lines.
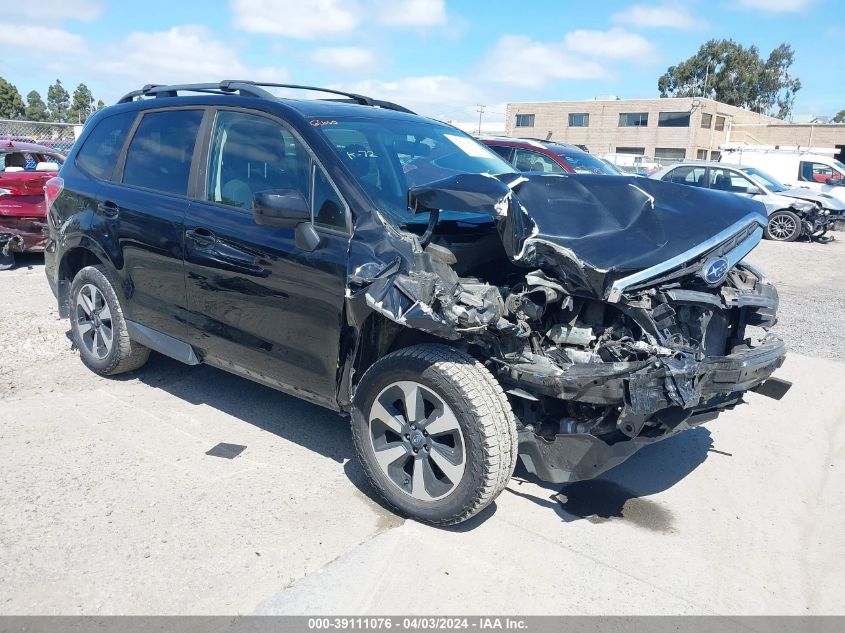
column 671, row 394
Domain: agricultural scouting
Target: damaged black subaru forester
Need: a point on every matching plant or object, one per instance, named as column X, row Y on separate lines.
column 390, row 267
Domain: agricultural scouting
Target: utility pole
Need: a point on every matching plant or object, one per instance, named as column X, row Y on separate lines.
column 480, row 111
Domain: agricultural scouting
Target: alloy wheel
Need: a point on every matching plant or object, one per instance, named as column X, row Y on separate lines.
column 781, row 227
column 417, row 440
column 94, row 321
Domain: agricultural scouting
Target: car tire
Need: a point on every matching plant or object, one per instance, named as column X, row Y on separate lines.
column 98, row 327
column 783, row 226
column 452, row 473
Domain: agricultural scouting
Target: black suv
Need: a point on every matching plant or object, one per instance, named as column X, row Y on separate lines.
column 390, row 267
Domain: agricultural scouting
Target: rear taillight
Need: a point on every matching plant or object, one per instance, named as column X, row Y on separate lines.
column 52, row 189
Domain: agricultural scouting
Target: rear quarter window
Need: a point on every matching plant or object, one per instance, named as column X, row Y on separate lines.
column 159, row 155
column 99, row 152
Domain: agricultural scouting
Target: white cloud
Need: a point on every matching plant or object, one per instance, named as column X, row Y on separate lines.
column 613, row 44
column 300, row 19
column 182, row 54
column 666, row 15
column 436, row 95
column 344, row 57
column 776, row 6
column 521, row 61
column 420, row 13
column 53, row 11
column 28, row 37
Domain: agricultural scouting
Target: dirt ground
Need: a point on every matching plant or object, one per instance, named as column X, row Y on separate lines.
column 109, row 503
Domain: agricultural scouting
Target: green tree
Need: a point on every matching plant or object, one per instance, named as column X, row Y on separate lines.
column 36, row 109
column 728, row 72
column 11, row 104
column 840, row 117
column 80, row 107
column 100, row 104
column 58, row 101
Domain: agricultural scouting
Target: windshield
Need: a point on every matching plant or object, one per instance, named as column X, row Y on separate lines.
column 584, row 163
column 764, row 179
column 389, row 156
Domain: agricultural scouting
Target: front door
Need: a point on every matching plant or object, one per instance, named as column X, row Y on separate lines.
column 258, row 304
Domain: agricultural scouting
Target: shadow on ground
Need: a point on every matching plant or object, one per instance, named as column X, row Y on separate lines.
column 621, row 492
column 618, row 494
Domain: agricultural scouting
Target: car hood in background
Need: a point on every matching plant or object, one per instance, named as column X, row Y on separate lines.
column 826, row 200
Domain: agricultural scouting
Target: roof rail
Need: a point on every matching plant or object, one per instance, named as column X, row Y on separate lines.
column 253, row 89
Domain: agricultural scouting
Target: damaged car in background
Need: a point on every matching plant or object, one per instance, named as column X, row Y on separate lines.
column 392, row 268
column 792, row 212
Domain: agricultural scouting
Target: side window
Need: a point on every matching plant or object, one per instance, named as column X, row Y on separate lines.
column 100, row 150
column 328, row 209
column 502, row 150
column 817, row 172
column 729, row 180
column 526, row 160
column 251, row 153
column 687, row 176
column 159, row 155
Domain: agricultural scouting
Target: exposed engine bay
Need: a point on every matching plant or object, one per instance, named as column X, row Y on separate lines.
column 608, row 325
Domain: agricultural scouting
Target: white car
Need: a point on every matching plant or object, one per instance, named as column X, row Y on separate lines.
column 793, row 212
column 795, row 168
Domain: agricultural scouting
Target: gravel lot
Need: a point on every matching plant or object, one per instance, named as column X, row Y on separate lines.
column 810, row 279
column 110, row 504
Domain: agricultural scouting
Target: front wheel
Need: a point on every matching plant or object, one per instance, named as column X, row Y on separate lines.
column 784, row 226
column 434, row 433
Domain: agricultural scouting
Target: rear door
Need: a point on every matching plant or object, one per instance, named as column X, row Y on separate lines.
column 141, row 212
column 259, row 304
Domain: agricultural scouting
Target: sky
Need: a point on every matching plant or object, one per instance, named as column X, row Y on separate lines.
column 439, row 57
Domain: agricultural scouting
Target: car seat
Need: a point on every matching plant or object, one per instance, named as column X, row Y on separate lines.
column 722, row 183
column 15, row 160
column 253, row 160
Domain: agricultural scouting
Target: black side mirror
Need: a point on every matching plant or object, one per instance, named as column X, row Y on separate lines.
column 834, row 181
column 280, row 208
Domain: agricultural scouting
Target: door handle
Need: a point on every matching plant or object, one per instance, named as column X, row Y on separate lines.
column 203, row 237
column 107, row 207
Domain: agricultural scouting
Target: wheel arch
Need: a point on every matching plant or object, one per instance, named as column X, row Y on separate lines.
column 377, row 337
column 74, row 259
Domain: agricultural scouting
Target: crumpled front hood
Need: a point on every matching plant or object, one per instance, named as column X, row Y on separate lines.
column 826, row 200
column 588, row 230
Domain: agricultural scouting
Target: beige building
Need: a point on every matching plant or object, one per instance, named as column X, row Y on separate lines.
column 673, row 128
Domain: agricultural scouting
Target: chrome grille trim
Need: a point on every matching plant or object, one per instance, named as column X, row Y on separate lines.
column 734, row 243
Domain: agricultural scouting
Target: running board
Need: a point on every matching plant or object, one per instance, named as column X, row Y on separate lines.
column 162, row 343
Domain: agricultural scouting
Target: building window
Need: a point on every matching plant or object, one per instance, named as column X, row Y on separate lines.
column 676, row 153
column 524, row 120
column 633, row 119
column 720, row 123
column 639, row 151
column 579, row 120
column 714, row 155
column 701, row 154
column 673, row 119
column 706, row 120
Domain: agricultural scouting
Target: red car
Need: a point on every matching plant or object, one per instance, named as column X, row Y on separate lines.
column 545, row 157
column 25, row 169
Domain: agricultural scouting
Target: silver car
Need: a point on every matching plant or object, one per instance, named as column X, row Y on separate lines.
column 792, row 212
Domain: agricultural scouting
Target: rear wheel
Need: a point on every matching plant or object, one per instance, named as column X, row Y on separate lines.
column 434, row 433
column 784, row 226
column 98, row 327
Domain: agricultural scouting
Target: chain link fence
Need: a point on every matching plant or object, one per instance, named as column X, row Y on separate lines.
column 59, row 136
